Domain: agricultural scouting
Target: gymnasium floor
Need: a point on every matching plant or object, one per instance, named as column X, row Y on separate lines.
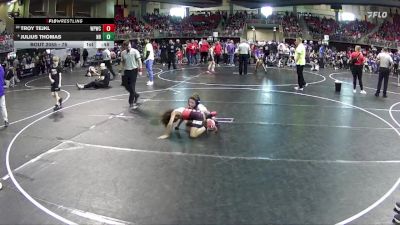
column 281, row 156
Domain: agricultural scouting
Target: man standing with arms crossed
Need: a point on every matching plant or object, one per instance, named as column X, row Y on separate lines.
column 132, row 65
column 385, row 62
column 300, row 59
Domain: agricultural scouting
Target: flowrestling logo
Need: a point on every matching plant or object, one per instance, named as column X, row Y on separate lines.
column 380, row 15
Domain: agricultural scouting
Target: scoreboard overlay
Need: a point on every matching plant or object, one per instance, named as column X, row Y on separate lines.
column 64, row 33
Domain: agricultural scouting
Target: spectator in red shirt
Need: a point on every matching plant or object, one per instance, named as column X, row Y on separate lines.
column 218, row 52
column 357, row 68
column 189, row 54
column 195, row 50
column 204, row 46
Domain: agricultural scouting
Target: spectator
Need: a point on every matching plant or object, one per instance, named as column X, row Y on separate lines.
column 218, row 52
column 231, row 52
column 3, row 98
column 357, row 60
column 204, row 47
column 149, row 59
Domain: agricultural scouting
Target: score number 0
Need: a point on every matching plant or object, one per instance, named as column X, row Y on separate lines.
column 108, row 27
column 108, row 32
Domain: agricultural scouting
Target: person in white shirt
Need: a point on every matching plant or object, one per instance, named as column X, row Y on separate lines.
column 132, row 64
column 149, row 60
column 385, row 63
column 300, row 59
column 244, row 54
column 211, row 60
column 107, row 60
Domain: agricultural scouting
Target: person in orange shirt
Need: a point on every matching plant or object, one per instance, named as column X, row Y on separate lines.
column 204, row 51
column 218, row 52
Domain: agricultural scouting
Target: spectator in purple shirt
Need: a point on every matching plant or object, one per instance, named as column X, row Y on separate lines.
column 231, row 52
column 3, row 97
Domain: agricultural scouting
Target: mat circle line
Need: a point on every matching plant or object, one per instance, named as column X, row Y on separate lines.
column 62, row 219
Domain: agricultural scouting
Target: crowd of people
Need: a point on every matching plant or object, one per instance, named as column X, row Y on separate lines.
column 272, row 53
column 290, row 25
column 349, row 31
column 166, row 25
column 6, row 41
column 195, row 52
column 388, row 33
column 233, row 25
column 127, row 26
column 37, row 63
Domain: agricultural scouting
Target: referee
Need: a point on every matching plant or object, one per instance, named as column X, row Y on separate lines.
column 244, row 54
column 385, row 62
column 132, row 64
column 300, row 59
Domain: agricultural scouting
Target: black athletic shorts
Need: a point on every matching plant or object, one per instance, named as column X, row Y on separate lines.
column 196, row 123
column 54, row 87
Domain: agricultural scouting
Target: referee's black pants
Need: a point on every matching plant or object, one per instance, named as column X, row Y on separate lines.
column 171, row 60
column 243, row 61
column 300, row 76
column 129, row 82
column 383, row 75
